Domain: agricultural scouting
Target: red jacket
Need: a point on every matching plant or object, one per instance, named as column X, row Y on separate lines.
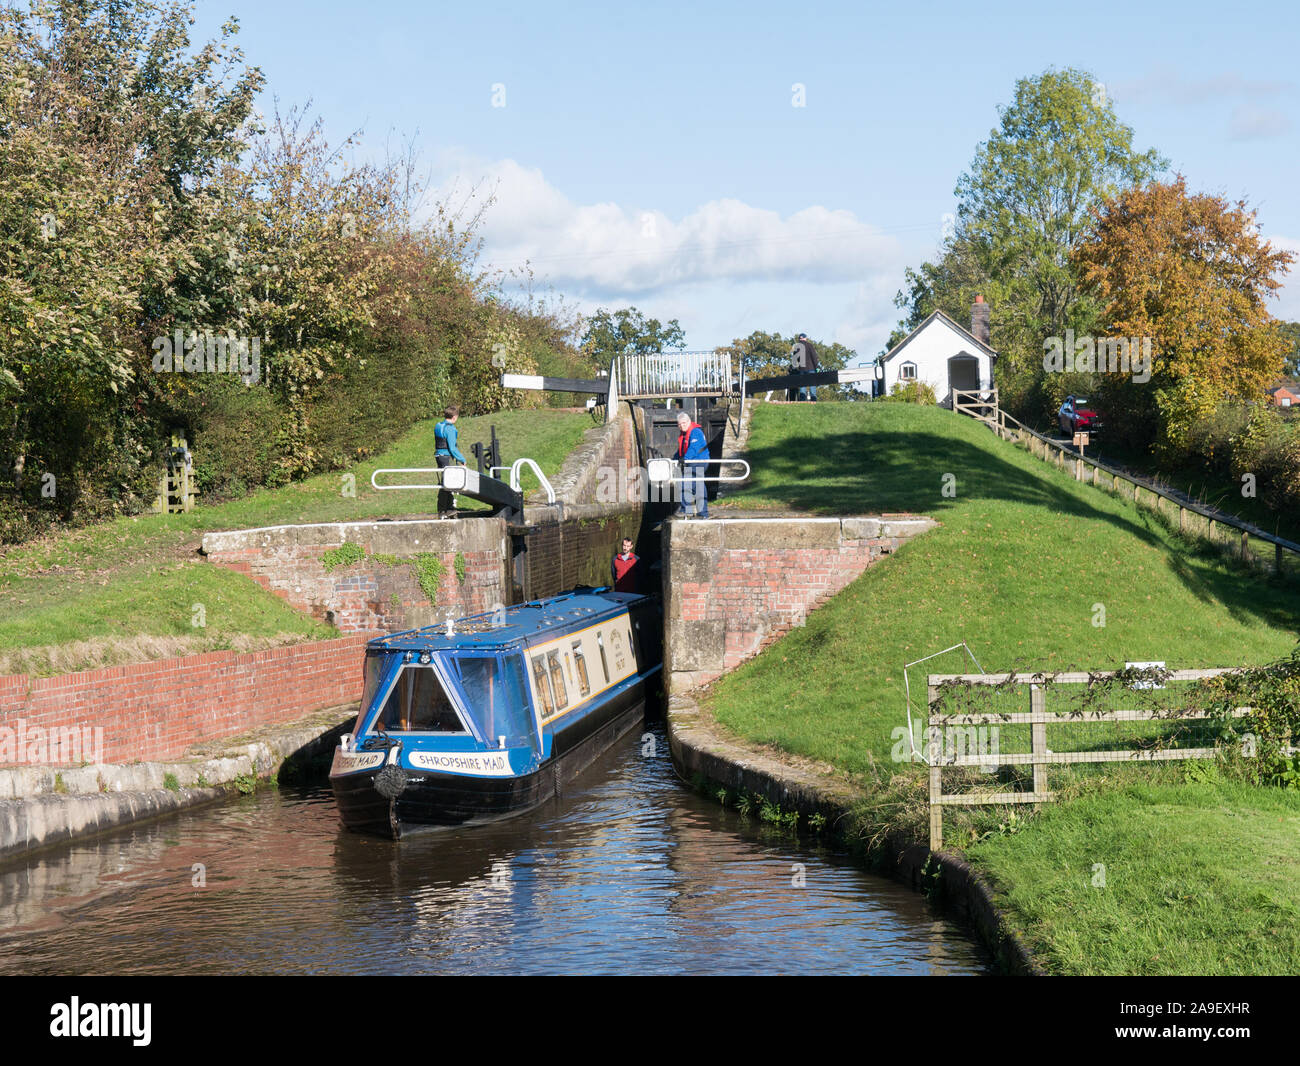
column 684, row 449
column 625, row 573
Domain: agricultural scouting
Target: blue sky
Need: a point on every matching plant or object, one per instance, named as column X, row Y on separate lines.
column 652, row 155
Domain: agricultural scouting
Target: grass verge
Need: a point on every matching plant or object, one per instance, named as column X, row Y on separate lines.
column 1034, row 571
column 124, row 590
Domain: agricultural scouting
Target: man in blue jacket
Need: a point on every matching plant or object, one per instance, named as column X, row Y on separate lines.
column 445, row 451
column 692, row 445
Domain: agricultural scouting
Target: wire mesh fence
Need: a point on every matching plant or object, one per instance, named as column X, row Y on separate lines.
column 1014, row 727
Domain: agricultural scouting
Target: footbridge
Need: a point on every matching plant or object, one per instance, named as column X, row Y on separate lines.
column 709, row 385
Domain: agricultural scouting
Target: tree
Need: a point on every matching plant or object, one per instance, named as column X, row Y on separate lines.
column 110, row 135
column 1058, row 151
column 1291, row 334
column 768, row 355
column 1192, row 274
column 628, row 332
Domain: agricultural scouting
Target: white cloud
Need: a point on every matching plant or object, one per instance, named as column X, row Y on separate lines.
column 613, row 250
column 1255, row 123
column 1170, row 85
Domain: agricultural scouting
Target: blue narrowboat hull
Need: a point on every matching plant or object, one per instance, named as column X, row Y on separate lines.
column 495, row 716
column 433, row 800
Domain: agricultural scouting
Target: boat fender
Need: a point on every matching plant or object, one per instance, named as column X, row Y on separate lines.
column 391, row 781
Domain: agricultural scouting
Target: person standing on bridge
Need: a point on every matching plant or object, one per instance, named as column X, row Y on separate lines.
column 803, row 358
column 691, row 449
column 445, row 452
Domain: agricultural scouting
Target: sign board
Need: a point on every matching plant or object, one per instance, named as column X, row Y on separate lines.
column 1145, row 666
column 1080, row 440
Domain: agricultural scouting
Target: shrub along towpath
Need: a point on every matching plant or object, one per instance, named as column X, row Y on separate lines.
column 1141, row 869
column 129, row 589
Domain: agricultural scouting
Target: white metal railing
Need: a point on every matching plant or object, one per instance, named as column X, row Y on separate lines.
column 660, row 471
column 466, row 480
column 406, row 470
column 672, row 374
column 518, row 465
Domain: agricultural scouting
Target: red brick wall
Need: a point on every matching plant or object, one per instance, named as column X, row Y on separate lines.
column 761, row 594
column 153, row 711
column 367, row 595
column 735, row 584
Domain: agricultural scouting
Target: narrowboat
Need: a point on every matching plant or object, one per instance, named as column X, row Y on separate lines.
column 489, row 716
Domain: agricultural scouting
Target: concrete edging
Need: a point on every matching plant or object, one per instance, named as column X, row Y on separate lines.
column 811, row 788
column 39, row 818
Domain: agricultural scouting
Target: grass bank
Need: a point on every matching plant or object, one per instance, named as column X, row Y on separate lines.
column 131, row 588
column 1025, row 565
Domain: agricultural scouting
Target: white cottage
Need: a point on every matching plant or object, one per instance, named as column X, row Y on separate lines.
column 943, row 355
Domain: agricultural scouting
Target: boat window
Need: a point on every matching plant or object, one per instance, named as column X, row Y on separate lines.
column 542, row 685
column 418, row 704
column 584, row 684
column 374, row 675
column 604, row 663
column 496, row 696
column 557, row 680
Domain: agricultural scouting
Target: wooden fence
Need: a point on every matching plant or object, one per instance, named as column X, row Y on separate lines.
column 1038, row 718
column 1192, row 520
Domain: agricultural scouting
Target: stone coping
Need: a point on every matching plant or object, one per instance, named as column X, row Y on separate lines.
column 43, row 806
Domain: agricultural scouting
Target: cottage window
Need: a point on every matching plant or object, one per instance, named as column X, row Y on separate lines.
column 907, row 372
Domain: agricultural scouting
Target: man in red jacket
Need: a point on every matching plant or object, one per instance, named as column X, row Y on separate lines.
column 625, row 569
column 691, row 445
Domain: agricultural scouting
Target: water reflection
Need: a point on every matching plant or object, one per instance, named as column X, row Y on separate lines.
column 629, row 872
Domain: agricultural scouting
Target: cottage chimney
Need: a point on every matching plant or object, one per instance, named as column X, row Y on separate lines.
column 979, row 320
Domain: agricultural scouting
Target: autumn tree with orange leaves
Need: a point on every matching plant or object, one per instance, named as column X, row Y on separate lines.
column 1191, row 273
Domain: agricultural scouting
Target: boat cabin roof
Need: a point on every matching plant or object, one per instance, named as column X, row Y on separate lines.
column 522, row 622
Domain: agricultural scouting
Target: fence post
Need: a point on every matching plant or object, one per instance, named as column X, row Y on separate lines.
column 1038, row 736
column 1277, row 561
column 1244, row 538
column 935, row 749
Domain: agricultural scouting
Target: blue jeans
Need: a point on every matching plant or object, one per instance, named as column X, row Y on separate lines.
column 693, row 491
column 807, row 392
column 811, row 390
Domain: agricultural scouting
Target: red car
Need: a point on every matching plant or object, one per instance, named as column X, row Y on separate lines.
column 1076, row 416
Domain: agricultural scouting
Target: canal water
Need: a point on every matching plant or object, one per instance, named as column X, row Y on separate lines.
column 630, row 872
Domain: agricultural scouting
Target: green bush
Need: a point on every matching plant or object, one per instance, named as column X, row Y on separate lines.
column 344, row 555
column 911, row 392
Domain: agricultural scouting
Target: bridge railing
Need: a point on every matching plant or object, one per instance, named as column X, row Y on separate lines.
column 1225, row 532
column 654, row 374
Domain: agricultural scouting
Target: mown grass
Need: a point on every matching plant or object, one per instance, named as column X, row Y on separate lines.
column 110, row 584
column 1160, row 877
column 1017, row 568
column 1197, row 874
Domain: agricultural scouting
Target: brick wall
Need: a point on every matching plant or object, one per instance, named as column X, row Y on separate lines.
column 732, row 586
column 559, row 553
column 153, row 711
column 374, row 592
